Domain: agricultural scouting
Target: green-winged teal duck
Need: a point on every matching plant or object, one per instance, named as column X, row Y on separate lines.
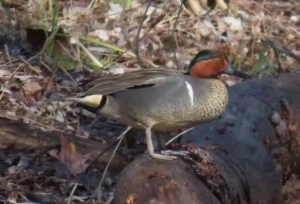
column 163, row 99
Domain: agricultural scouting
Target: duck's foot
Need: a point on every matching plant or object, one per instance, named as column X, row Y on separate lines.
column 150, row 148
column 161, row 156
column 175, row 153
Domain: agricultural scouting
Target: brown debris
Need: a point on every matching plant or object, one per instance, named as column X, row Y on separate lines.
column 32, row 87
column 74, row 161
column 131, row 199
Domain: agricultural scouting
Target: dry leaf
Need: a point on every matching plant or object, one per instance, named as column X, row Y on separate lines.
column 74, row 161
column 222, row 4
column 131, row 199
column 102, row 34
column 196, row 7
column 114, row 11
column 4, row 73
column 32, row 87
column 234, row 24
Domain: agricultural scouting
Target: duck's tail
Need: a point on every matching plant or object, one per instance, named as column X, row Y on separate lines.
column 93, row 101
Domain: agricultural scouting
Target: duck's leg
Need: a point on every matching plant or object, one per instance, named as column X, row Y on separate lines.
column 150, row 147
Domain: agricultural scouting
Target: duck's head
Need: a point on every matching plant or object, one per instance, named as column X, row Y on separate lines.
column 211, row 63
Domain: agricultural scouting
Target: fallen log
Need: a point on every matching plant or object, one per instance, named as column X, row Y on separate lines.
column 239, row 158
column 29, row 136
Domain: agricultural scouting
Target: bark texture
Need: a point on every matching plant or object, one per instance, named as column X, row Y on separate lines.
column 28, row 136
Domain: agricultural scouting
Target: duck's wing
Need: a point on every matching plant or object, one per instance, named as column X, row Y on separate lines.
column 132, row 80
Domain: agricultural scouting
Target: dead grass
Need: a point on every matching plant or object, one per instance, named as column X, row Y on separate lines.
column 244, row 27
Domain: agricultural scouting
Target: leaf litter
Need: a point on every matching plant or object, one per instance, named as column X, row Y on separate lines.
column 74, row 161
column 32, row 95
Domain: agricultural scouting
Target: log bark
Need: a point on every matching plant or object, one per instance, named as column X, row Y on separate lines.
column 28, row 136
column 239, row 155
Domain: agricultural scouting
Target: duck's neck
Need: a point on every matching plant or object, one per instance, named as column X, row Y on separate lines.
column 189, row 74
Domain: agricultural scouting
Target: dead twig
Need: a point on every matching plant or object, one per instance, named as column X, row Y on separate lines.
column 178, row 135
column 173, row 32
column 277, row 59
column 141, row 62
column 120, row 138
column 137, row 51
column 47, row 67
column 9, row 78
column 94, row 161
column 7, row 54
column 31, row 67
column 280, row 49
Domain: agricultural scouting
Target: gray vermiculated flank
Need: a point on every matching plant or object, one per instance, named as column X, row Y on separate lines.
column 167, row 106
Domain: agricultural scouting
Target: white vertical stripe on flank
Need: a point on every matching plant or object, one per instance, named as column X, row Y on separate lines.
column 190, row 92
